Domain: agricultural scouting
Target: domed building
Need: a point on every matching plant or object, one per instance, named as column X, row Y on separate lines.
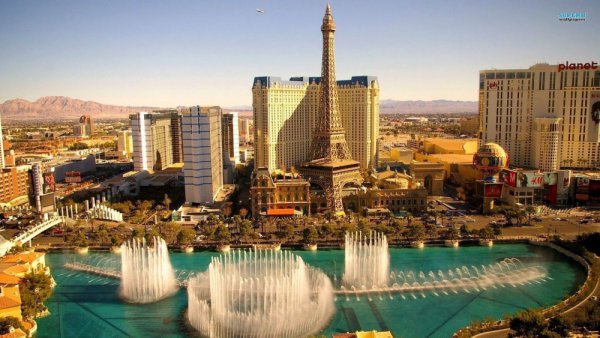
column 490, row 159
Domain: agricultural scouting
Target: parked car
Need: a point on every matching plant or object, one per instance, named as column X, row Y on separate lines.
column 57, row 231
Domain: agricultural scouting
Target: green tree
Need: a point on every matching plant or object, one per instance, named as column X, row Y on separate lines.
column 286, row 232
column 169, row 231
column 7, row 322
column 150, row 234
column 103, row 237
column 451, row 234
column 78, row 146
column 245, row 229
column 222, row 234
column 137, row 232
column 326, row 230
column 415, row 232
column 560, row 326
column 486, row 233
column 528, row 323
column 530, row 211
column 363, row 226
column 186, row 236
column 167, row 202
column 35, row 288
column 116, row 239
column 310, row 235
column 431, row 231
column 76, row 238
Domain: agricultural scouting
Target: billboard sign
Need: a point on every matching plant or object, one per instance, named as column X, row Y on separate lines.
column 594, row 117
column 73, row 177
column 594, row 190
column 48, row 183
column 493, row 190
column 583, row 181
column 563, row 181
column 550, row 178
column 522, row 179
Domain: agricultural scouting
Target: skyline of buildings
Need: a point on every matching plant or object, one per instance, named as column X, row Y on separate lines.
column 542, row 116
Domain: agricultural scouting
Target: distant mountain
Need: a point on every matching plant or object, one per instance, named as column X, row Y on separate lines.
column 61, row 107
column 427, row 107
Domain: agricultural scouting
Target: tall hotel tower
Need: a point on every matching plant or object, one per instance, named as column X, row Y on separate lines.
column 231, row 136
column 203, row 153
column 286, row 114
column 546, row 117
column 152, row 141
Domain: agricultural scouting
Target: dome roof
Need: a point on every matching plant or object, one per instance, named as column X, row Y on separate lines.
column 491, row 149
column 490, row 158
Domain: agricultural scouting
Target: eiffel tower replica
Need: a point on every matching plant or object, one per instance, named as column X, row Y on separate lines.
column 332, row 166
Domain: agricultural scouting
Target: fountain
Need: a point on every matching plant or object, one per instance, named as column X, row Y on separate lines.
column 366, row 260
column 146, row 272
column 509, row 271
column 260, row 293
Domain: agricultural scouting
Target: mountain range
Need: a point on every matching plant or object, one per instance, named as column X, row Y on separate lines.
column 427, row 107
column 61, row 107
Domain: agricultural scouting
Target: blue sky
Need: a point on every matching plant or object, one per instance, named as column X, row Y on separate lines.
column 169, row 53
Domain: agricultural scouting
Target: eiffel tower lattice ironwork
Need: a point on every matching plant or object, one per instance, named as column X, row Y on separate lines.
column 332, row 165
column 329, row 139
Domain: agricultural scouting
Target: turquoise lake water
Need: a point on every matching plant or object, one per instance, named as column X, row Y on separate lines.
column 84, row 305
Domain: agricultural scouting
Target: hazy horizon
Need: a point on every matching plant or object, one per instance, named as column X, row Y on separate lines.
column 186, row 53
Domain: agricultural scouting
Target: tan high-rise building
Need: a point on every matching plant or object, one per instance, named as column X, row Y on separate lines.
column 285, row 117
column 546, row 117
column 231, row 136
column 124, row 144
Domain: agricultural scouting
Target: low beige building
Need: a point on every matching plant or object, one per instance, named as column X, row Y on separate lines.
column 279, row 194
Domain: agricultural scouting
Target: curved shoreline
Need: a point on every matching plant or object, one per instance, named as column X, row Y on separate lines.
column 563, row 307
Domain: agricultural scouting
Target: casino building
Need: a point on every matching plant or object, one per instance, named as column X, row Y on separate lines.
column 546, row 117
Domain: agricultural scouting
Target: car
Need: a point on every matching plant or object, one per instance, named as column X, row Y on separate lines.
column 583, row 221
column 537, row 219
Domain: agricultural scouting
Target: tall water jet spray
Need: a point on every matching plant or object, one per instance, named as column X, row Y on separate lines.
column 146, row 272
column 259, row 294
column 366, row 260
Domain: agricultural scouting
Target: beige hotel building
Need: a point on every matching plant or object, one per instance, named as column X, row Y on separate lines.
column 285, row 117
column 545, row 117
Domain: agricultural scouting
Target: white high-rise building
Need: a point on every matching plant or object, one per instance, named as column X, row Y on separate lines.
column 152, row 141
column 231, row 136
column 546, row 117
column 203, row 153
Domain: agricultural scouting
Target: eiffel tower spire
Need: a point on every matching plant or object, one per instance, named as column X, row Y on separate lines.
column 329, row 140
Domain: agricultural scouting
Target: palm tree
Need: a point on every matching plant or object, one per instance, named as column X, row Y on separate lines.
column 530, row 210
column 167, row 202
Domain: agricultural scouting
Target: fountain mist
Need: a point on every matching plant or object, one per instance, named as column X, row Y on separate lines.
column 146, row 272
column 366, row 260
column 259, row 294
